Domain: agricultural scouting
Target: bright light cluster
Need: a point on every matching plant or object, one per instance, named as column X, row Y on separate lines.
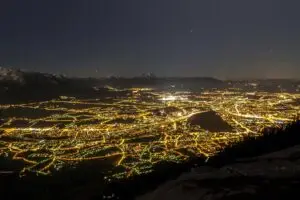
column 173, row 98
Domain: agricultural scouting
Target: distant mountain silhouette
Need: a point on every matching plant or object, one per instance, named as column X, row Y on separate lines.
column 17, row 86
column 185, row 83
column 16, row 76
column 11, row 75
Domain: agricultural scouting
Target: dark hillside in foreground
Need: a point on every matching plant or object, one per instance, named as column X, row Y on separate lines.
column 263, row 168
column 87, row 182
column 273, row 139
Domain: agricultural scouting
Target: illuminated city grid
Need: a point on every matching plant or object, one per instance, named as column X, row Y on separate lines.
column 136, row 130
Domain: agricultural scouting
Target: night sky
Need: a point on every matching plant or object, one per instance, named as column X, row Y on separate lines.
column 223, row 39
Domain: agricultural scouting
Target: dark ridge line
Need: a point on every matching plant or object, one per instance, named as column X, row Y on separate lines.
column 272, row 139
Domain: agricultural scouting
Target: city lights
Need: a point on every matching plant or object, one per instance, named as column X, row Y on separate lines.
column 134, row 132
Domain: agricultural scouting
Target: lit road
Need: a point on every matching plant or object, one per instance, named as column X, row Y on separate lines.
column 135, row 131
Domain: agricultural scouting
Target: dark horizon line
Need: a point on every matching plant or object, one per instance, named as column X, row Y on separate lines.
column 187, row 77
column 155, row 77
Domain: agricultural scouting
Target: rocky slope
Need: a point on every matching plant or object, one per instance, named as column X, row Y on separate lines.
column 271, row 176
